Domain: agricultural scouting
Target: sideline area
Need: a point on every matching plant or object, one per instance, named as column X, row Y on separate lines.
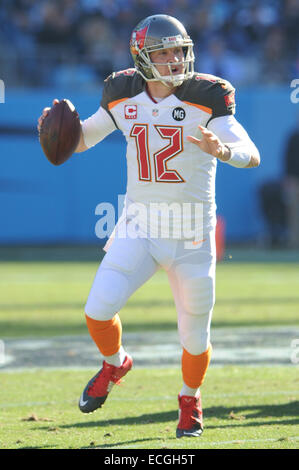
column 243, row 346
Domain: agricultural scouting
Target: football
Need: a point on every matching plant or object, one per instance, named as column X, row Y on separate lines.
column 60, row 132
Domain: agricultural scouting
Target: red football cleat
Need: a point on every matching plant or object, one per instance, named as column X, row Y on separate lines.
column 97, row 389
column 190, row 417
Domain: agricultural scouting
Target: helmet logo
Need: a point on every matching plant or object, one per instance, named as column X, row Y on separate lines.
column 138, row 40
column 178, row 114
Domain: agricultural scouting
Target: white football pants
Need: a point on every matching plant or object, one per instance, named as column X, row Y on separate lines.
column 129, row 263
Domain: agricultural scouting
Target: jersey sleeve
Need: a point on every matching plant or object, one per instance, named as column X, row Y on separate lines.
column 120, row 86
column 229, row 130
column 233, row 134
column 110, row 91
column 222, row 99
column 97, row 127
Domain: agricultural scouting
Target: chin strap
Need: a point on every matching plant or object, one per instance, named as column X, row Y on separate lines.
column 167, row 84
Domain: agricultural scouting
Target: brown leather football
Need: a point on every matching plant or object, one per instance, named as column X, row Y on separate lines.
column 60, row 132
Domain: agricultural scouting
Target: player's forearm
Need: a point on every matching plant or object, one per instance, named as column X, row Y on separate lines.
column 81, row 147
column 241, row 156
column 94, row 129
column 239, row 150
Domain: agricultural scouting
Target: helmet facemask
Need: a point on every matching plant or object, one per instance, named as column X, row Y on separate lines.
column 149, row 71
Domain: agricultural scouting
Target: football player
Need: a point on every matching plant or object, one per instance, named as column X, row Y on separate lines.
column 178, row 124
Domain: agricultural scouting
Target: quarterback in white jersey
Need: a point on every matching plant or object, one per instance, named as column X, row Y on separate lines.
column 177, row 124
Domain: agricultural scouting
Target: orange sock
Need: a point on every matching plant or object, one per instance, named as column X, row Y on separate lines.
column 194, row 368
column 106, row 334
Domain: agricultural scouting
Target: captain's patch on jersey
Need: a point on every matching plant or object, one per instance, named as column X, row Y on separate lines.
column 178, row 114
column 130, row 111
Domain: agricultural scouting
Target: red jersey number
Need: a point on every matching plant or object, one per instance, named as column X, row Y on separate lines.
column 174, row 134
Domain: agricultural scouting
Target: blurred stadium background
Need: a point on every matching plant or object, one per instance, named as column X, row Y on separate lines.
column 66, row 48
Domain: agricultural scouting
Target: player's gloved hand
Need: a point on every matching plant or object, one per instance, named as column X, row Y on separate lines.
column 211, row 144
column 44, row 114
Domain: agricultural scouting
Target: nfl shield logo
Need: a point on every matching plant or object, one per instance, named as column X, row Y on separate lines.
column 155, row 112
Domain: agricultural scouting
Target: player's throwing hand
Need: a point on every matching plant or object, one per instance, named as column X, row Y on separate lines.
column 211, row 144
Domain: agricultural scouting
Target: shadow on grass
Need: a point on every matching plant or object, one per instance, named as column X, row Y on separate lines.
column 142, row 304
column 259, row 415
column 124, row 443
column 11, row 329
column 149, row 418
column 45, row 446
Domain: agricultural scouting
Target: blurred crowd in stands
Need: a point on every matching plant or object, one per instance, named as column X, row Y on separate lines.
column 79, row 42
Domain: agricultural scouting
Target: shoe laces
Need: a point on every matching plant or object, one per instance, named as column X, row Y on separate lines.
column 101, row 384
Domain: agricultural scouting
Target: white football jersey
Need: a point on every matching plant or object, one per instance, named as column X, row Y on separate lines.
column 170, row 181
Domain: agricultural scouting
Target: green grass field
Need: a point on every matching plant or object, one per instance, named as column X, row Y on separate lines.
column 48, row 297
column 244, row 407
column 247, row 407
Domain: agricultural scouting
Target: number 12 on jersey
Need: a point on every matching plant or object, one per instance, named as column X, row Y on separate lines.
column 174, row 134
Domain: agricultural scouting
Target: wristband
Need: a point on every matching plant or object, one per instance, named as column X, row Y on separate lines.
column 238, row 159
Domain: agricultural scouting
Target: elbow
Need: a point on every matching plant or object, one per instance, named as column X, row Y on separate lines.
column 255, row 159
